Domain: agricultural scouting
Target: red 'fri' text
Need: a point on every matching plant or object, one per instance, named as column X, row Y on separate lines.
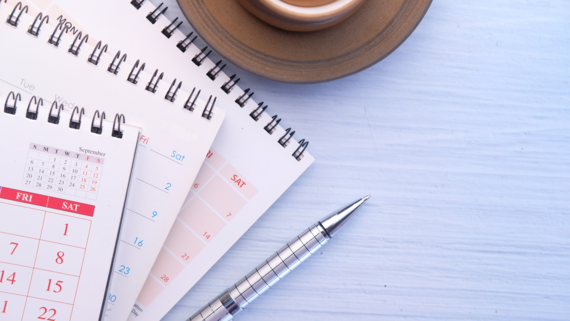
column 144, row 140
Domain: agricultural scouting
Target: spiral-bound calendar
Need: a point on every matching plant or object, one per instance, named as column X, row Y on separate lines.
column 252, row 161
column 63, row 185
column 47, row 58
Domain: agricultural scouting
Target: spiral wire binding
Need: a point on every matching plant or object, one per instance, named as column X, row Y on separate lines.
column 35, row 30
column 284, row 140
column 270, row 127
column 75, row 49
column 12, row 109
column 298, row 153
column 199, row 58
column 132, row 76
column 242, row 100
column 76, row 124
column 95, row 60
column 184, row 43
column 12, row 19
column 114, row 69
column 117, row 132
column 171, row 95
column 137, row 3
column 256, row 114
column 229, row 85
column 190, row 105
column 152, row 87
column 33, row 115
column 207, row 113
column 51, row 118
column 10, row 105
column 55, row 40
column 94, row 129
column 215, row 71
column 153, row 16
column 169, row 30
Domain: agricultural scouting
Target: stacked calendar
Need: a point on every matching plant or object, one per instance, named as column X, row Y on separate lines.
column 190, row 197
column 63, row 186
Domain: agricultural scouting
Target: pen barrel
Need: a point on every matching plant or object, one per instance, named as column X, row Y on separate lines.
column 264, row 276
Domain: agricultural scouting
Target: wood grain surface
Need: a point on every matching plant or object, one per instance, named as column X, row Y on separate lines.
column 462, row 136
column 367, row 36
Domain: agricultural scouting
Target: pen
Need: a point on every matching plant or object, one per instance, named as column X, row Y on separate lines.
column 237, row 297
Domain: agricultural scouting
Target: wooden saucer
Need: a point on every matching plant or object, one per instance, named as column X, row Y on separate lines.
column 358, row 42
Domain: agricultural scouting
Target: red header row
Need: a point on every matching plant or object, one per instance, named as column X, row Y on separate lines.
column 46, row 201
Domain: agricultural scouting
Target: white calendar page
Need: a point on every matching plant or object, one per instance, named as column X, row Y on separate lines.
column 245, row 171
column 173, row 144
column 62, row 193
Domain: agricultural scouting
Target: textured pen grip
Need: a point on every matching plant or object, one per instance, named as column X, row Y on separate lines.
column 264, row 276
column 278, row 265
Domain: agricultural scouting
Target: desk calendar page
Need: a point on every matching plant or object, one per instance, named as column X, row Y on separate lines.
column 244, row 173
column 172, row 146
column 62, row 193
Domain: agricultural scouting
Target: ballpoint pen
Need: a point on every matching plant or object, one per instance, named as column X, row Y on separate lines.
column 233, row 300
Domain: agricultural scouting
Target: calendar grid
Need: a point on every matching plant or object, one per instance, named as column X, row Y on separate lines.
column 42, row 270
column 35, row 260
column 63, row 171
column 200, row 221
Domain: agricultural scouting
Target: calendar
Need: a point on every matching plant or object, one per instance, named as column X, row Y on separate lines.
column 218, row 194
column 176, row 130
column 59, row 219
column 250, row 150
column 63, row 171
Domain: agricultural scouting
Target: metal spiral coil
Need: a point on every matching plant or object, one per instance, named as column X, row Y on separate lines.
column 54, row 39
column 199, row 58
column 12, row 18
column 54, row 119
column 242, row 100
column 33, row 115
column 15, row 99
column 272, row 125
column 137, row 3
column 114, row 69
column 35, row 30
column 55, row 114
column 73, row 49
column 132, row 76
column 117, row 132
column 171, row 95
column 284, row 140
column 215, row 71
column 153, row 16
column 63, row 27
column 94, row 129
column 190, row 105
column 95, row 59
column 184, row 43
column 229, row 85
column 169, row 30
column 298, row 153
column 152, row 86
column 256, row 113
column 207, row 113
column 76, row 124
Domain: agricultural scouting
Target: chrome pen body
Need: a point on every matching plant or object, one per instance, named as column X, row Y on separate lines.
column 237, row 297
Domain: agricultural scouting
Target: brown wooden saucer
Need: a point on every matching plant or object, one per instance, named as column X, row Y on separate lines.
column 358, row 42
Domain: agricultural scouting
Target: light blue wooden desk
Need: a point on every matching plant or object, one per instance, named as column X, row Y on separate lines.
column 462, row 136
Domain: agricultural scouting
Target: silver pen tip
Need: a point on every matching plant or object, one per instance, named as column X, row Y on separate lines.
column 333, row 222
